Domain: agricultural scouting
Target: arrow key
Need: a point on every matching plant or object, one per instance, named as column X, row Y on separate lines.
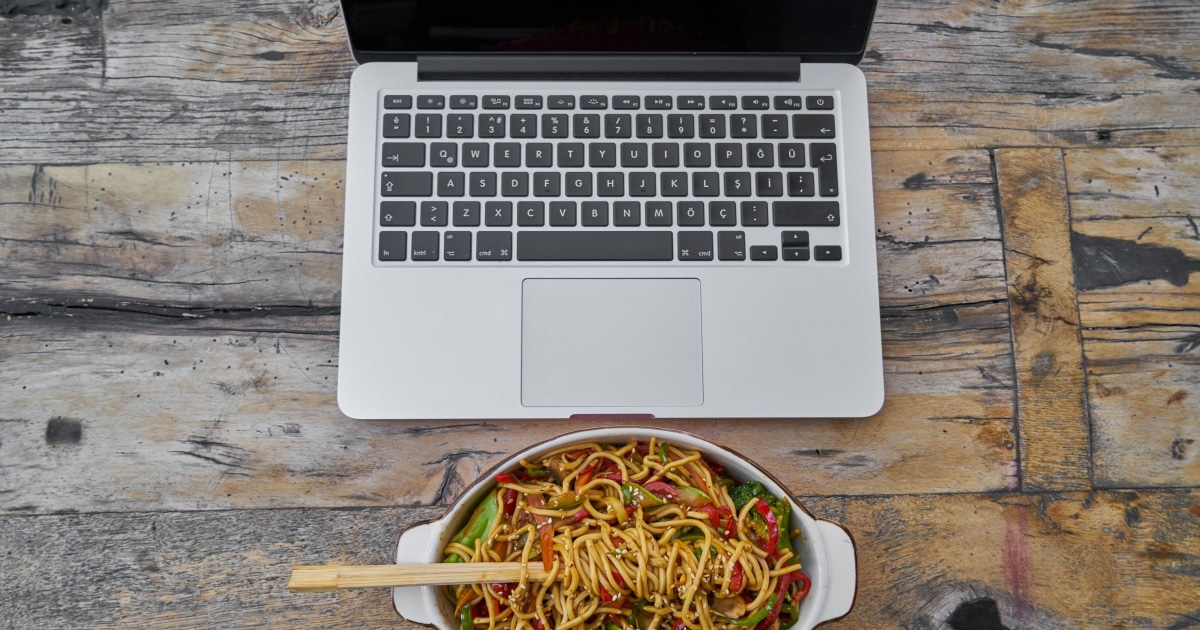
column 813, row 126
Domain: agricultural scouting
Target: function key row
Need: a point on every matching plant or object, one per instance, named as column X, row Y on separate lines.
column 598, row 101
column 460, row 125
column 587, row 246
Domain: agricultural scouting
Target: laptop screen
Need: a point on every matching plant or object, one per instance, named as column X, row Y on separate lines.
column 405, row 28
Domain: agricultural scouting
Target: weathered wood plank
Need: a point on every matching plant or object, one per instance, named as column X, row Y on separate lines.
column 184, row 80
column 1136, row 254
column 1051, row 415
column 1133, row 558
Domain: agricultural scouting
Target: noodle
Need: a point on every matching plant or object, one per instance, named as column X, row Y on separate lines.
column 633, row 537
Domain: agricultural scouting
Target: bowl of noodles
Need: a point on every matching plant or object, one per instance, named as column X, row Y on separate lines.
column 636, row 529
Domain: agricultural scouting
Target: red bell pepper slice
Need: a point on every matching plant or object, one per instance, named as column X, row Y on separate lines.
column 713, row 515
column 545, row 531
column 505, row 478
column 580, row 515
column 679, row 625
column 785, row 580
column 731, row 529
column 660, row 488
column 736, row 577
column 586, row 476
column 764, row 511
column 805, row 585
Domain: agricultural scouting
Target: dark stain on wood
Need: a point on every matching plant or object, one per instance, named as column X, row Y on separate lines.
column 1132, row 515
column 1109, row 262
column 1179, row 396
column 62, row 431
column 146, row 562
column 1169, row 67
column 272, row 55
column 920, row 181
column 1043, row 363
column 977, row 614
column 1188, row 343
column 1179, row 448
column 64, row 8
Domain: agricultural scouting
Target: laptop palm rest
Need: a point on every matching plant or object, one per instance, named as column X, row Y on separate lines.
column 611, row 343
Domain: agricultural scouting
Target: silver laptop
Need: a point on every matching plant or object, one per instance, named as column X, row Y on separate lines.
column 610, row 208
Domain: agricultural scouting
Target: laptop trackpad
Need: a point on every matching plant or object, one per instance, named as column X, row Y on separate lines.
column 611, row 343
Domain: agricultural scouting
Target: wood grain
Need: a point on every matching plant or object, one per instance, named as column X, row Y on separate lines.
column 1137, row 251
column 1045, row 561
column 1051, row 414
column 204, row 81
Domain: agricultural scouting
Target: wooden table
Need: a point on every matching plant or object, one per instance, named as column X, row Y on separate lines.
column 170, row 236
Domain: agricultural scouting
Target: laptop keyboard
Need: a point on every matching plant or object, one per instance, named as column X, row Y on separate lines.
column 562, row 178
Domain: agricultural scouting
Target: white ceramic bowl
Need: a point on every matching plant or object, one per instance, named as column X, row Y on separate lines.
column 825, row 548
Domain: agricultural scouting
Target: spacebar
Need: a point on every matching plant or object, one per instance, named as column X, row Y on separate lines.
column 639, row 245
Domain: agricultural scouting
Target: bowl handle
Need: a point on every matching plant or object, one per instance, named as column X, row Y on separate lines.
column 843, row 571
column 413, row 548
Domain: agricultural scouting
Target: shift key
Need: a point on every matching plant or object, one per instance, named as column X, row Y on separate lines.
column 806, row 213
column 823, row 155
column 406, row 184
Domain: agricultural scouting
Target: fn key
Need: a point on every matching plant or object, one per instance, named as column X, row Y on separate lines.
column 393, row 246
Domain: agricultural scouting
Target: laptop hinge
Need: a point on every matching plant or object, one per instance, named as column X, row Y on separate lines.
column 608, row 67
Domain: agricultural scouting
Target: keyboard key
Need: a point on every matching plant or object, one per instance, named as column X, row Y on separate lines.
column 627, row 214
column 429, row 126
column 658, row 213
column 562, row 214
column 681, row 126
column 633, row 154
column 764, row 252
column 495, row 102
column 433, row 214
column 737, row 184
column 443, row 154
column 593, row 246
column 602, row 155
column 760, row 155
column 666, row 155
column 491, row 126
column 722, row 102
column 795, row 253
column 610, row 184
column 827, row 252
column 514, row 184
column 460, row 126
column 452, row 184
column 824, row 157
column 431, row 102
column 674, row 184
column 722, row 213
column 626, row 102
column 593, row 102
column 393, row 246
column 658, row 102
column 729, row 154
column 806, row 213
column 594, row 214
column 498, row 214
column 522, row 125
column 695, row 246
column 579, row 184
column 539, row 154
column 398, row 213
column 396, row 125
column 788, row 102
column 755, row 102
column 529, row 102
column 586, row 125
column 561, row 102
column 813, row 126
column 406, row 184
column 570, row 154
column 690, row 213
column 794, row 238
column 743, row 126
column 508, row 154
column 800, row 184
column 706, row 184
column 482, row 184
column 466, row 213
column 547, row 184
column 754, row 213
column 554, row 125
column 464, row 102
column 456, row 246
column 697, row 154
column 475, row 154
column 819, row 102
column 400, row 154
column 642, row 184
column 768, row 184
column 691, row 102
column 618, row 126
column 531, row 213
column 791, row 155
column 712, row 126
column 731, row 245
column 649, row 125
column 774, row 126
column 425, row 245
column 493, row 246
column 397, row 101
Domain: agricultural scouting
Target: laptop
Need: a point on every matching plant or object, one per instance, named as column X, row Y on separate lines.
column 614, row 208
